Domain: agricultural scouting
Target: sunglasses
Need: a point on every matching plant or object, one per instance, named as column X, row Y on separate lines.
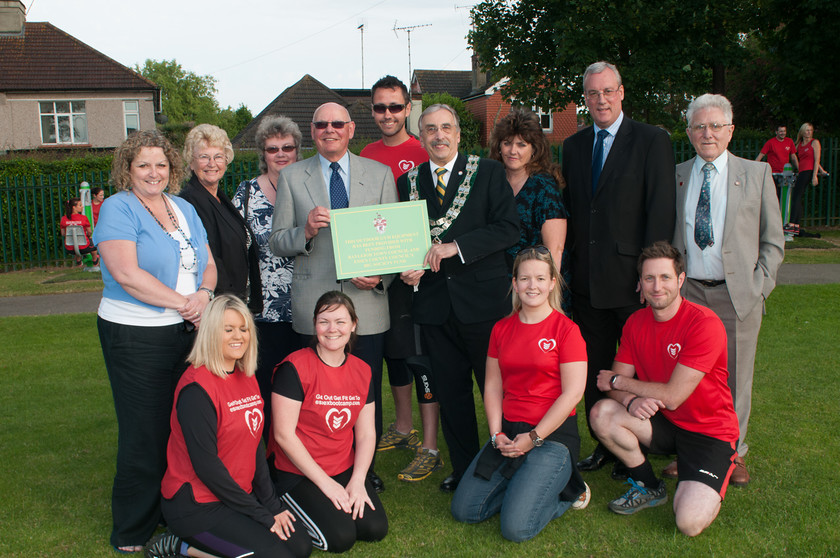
column 394, row 109
column 539, row 249
column 272, row 149
column 337, row 124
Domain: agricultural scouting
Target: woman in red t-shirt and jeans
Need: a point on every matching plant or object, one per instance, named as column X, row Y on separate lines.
column 73, row 216
column 808, row 151
column 535, row 377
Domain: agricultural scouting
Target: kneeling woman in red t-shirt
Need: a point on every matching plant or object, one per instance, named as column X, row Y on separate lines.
column 217, row 492
column 323, row 434
column 536, row 373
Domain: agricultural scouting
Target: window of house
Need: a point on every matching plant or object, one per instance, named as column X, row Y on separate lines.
column 63, row 122
column 131, row 109
column 546, row 120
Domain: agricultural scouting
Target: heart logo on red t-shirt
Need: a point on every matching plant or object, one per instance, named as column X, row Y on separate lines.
column 337, row 420
column 254, row 420
column 674, row 350
column 547, row 345
column 406, row 166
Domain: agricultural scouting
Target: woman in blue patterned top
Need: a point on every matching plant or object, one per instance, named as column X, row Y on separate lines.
column 518, row 142
column 278, row 141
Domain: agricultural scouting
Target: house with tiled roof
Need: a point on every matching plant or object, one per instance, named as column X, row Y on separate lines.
column 483, row 98
column 299, row 102
column 58, row 92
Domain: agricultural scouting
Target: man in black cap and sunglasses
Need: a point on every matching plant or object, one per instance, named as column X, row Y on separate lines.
column 306, row 192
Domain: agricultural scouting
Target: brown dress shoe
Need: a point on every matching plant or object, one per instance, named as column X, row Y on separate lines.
column 670, row 471
column 740, row 476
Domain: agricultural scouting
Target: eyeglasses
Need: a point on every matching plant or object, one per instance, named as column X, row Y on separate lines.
column 337, row 124
column 394, row 109
column 714, row 127
column 218, row 158
column 536, row 249
column 596, row 93
column 431, row 129
column 272, row 149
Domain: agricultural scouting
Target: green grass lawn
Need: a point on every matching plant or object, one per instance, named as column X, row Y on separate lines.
column 58, row 444
column 53, row 280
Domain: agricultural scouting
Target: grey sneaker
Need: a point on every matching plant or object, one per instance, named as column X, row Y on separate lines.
column 393, row 439
column 424, row 464
column 583, row 499
column 639, row 497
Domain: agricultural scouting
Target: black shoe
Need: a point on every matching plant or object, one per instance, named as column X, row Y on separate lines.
column 620, row 471
column 600, row 457
column 165, row 545
column 450, row 483
column 376, row 482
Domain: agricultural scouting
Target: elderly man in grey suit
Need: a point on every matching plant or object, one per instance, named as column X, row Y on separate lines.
column 730, row 230
column 306, row 192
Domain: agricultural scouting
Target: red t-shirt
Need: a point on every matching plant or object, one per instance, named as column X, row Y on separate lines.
column 401, row 158
column 332, row 401
column 77, row 219
column 529, row 357
column 805, row 153
column 778, row 153
column 695, row 337
column 239, row 425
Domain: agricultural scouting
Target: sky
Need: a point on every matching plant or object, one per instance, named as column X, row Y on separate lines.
column 255, row 49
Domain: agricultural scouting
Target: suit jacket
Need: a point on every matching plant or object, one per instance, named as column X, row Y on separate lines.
column 237, row 264
column 633, row 207
column 753, row 239
column 477, row 289
column 300, row 188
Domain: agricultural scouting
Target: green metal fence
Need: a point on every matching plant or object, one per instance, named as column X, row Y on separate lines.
column 31, row 206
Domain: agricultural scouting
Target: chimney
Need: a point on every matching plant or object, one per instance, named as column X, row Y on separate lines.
column 12, row 17
column 479, row 78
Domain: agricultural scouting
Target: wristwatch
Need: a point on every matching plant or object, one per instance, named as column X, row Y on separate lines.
column 209, row 292
column 535, row 438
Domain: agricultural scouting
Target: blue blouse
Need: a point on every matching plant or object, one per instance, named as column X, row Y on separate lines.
column 123, row 217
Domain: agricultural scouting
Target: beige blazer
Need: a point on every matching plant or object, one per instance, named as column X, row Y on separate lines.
column 300, row 187
column 753, row 239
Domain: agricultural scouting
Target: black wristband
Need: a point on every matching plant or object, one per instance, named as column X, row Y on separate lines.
column 631, row 402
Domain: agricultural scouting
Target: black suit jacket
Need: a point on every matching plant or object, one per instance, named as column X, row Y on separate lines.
column 634, row 206
column 237, row 266
column 476, row 290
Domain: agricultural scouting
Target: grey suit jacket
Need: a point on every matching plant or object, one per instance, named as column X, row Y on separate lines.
column 753, row 240
column 300, row 188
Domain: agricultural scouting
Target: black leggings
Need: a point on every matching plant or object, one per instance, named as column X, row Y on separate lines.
column 803, row 180
column 332, row 529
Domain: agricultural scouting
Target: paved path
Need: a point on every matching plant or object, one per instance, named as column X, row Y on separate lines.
column 43, row 305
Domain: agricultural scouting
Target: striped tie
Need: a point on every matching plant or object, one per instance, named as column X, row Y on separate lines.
column 440, row 187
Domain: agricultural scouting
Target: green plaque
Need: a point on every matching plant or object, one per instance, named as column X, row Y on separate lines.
column 380, row 239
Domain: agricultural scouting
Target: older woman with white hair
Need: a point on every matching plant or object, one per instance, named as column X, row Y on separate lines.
column 207, row 153
column 278, row 141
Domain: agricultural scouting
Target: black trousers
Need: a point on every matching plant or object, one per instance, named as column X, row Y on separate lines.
column 277, row 340
column 332, row 529
column 458, row 351
column 803, row 180
column 144, row 365
column 601, row 330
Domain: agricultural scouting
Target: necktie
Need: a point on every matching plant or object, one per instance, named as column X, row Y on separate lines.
column 598, row 159
column 338, row 195
column 440, row 187
column 703, row 234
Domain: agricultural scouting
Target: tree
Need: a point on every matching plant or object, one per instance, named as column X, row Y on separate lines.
column 232, row 121
column 667, row 51
column 186, row 96
column 470, row 127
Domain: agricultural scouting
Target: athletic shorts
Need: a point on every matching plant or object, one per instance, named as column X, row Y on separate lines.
column 700, row 458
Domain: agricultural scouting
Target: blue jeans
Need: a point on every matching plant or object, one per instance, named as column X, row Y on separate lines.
column 527, row 501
